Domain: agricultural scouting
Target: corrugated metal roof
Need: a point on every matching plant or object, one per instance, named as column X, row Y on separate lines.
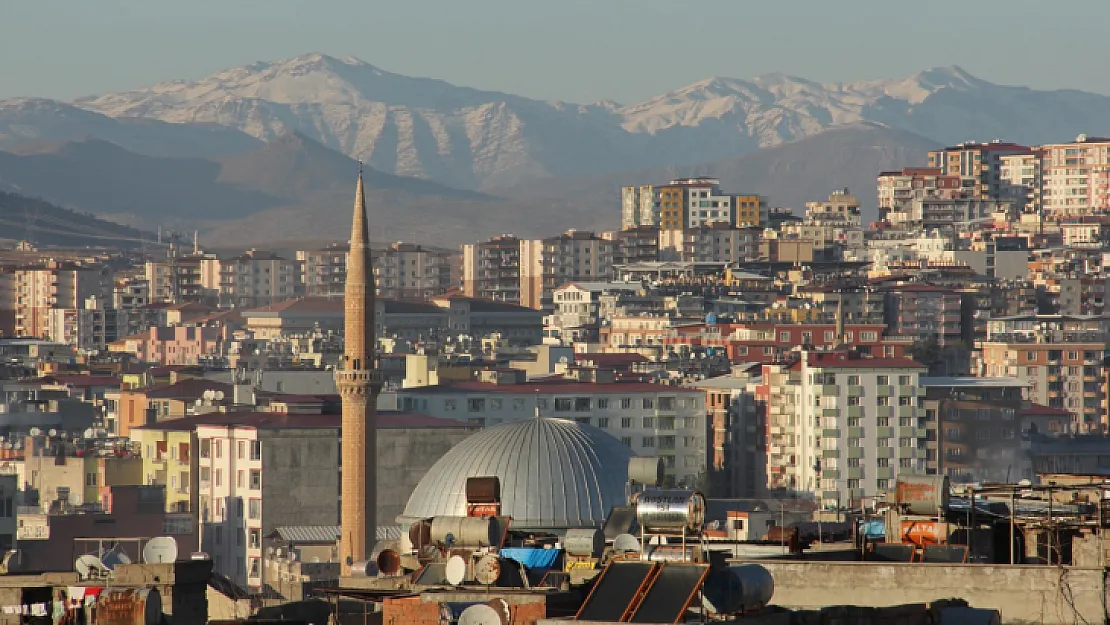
column 554, row 474
column 328, row 533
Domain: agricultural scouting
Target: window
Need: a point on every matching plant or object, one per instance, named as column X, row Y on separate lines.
column 626, row 422
column 241, row 450
column 256, row 450
column 626, row 403
column 905, row 442
column 905, row 463
column 563, row 404
column 205, row 475
column 666, row 423
column 883, row 380
column 603, row 403
column 627, row 440
column 666, row 442
column 905, row 401
column 904, row 380
column 853, row 400
column 219, row 535
column 478, row 404
column 256, row 479
column 649, row 403
column 649, row 422
column 448, row 404
column 205, row 448
column 853, row 463
column 882, row 401
column 853, row 484
column 254, row 538
column 853, row 380
column 254, row 570
column 882, row 463
column 883, row 422
column 603, row 422
column 882, row 442
column 255, row 510
column 219, row 448
column 219, row 478
column 689, row 423
column 648, row 441
column 882, row 484
column 90, row 479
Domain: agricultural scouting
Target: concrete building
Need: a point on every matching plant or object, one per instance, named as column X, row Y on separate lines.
column 979, row 165
column 546, row 264
column 56, row 285
column 179, row 279
column 402, row 271
column 256, row 278
column 737, row 444
column 1076, row 177
column 924, row 313
column 898, row 189
column 577, row 310
column 1060, row 357
column 651, row 419
column 634, row 245
column 843, row 427
column 491, row 270
column 179, row 345
column 688, row 203
column 718, row 242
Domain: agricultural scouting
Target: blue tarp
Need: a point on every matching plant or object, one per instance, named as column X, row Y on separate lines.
column 542, row 559
column 873, row 529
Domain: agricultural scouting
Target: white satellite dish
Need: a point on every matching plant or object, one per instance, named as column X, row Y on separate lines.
column 209, row 394
column 88, row 566
column 480, row 614
column 626, row 543
column 13, row 562
column 219, row 395
column 488, row 570
column 53, row 432
column 89, row 433
column 455, row 570
column 162, row 549
column 35, row 431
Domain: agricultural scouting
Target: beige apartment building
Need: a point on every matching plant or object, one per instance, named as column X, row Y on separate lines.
column 546, row 264
column 1076, row 177
column 979, row 165
column 401, row 271
column 255, row 278
column 39, row 290
column 715, row 243
column 491, row 269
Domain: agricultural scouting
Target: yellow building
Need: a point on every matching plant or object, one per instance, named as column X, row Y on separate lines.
column 168, row 460
column 747, row 210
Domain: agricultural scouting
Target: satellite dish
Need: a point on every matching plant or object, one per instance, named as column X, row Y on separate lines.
column 626, row 543
column 88, row 566
column 13, row 562
column 502, row 608
column 209, row 394
column 114, row 558
column 488, row 570
column 89, row 433
column 53, row 432
column 480, row 614
column 161, row 549
column 219, row 395
column 35, row 431
column 455, row 571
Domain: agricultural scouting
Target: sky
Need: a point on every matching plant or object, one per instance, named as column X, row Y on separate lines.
column 572, row 50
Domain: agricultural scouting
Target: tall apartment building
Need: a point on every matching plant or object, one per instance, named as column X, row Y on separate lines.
column 38, row 290
column 257, row 278
column 737, row 446
column 898, row 189
column 714, row 243
column 831, row 227
column 1061, row 358
column 1076, row 177
column 688, row 203
column 843, row 427
column 979, row 165
column 924, row 312
column 182, row 279
column 841, row 206
column 546, row 264
column 401, row 271
column 491, row 270
column 1022, row 178
column 634, row 245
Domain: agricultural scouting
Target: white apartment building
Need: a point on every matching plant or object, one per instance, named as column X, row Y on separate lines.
column 401, row 271
column 853, row 425
column 546, row 264
column 88, row 329
column 262, row 472
column 577, row 310
column 714, row 243
column 256, row 278
column 651, row 419
column 1021, row 181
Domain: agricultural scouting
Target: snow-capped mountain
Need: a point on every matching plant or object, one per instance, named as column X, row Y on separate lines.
column 474, row 139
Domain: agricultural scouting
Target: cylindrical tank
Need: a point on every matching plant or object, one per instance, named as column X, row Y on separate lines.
column 129, row 605
column 364, row 568
column 483, row 490
column 465, row 531
column 926, row 495
column 646, row 470
column 389, row 562
column 670, row 509
column 673, row 553
column 735, row 589
column 584, row 542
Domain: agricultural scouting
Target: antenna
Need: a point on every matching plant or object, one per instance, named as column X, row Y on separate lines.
column 88, row 566
column 161, row 549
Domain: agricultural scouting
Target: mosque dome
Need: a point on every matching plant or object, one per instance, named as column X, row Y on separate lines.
column 554, row 473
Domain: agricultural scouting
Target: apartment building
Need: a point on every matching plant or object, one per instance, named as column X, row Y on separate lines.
column 713, row 243
column 256, row 278
column 689, row 203
column 1022, row 180
column 492, row 269
column 1060, row 357
column 577, row 308
column 38, row 290
column 89, row 328
column 847, row 425
column 634, row 245
column 1076, row 177
column 841, row 206
column 979, row 165
column 898, row 189
column 924, row 312
column 185, row 278
column 178, row 345
column 652, row 419
column 737, row 446
column 401, row 271
column 546, row 264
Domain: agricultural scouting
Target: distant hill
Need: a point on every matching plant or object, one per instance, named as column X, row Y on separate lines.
column 47, row 225
column 790, row 174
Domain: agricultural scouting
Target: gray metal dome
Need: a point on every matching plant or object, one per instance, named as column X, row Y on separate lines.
column 555, row 474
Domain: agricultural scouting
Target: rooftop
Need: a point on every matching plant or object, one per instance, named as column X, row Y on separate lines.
column 567, row 387
column 971, row 382
column 281, row 420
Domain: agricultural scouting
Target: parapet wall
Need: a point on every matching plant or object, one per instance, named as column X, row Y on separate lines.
column 1021, row 594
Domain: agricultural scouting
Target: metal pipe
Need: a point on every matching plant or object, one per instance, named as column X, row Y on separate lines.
column 1013, row 505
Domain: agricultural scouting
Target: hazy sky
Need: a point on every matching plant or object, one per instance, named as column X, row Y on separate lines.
column 575, row 50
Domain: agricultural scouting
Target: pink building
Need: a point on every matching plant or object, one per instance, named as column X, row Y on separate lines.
column 181, row 345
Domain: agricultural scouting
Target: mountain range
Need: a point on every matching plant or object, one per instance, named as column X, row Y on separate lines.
column 454, row 163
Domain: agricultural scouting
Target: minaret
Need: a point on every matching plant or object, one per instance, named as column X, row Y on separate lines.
column 358, row 381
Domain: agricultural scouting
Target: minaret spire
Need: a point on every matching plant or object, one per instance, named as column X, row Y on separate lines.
column 358, row 382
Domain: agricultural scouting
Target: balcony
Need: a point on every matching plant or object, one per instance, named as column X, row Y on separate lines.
column 830, row 433
column 884, row 432
column 855, row 391
column 907, row 391
column 884, row 452
column 830, row 453
column 829, row 389
column 884, row 390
